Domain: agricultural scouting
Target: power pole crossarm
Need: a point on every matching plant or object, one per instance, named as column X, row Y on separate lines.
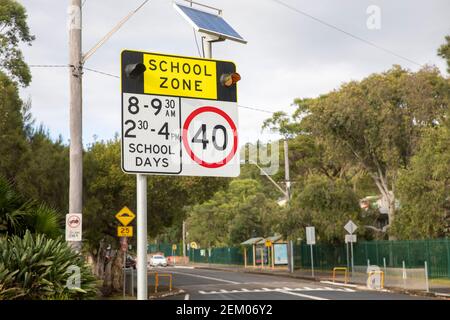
column 113, row 30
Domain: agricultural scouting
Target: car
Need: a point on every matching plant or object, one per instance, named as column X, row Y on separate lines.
column 158, row 261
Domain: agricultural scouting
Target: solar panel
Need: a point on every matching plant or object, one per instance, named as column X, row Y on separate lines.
column 208, row 23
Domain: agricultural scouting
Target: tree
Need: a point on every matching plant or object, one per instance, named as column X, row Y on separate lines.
column 234, row 215
column 323, row 203
column 424, row 189
column 14, row 31
column 444, row 52
column 13, row 144
column 377, row 122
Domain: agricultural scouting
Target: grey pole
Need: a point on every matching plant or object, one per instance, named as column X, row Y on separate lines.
column 348, row 261
column 184, row 241
column 141, row 225
column 351, row 251
column 286, row 169
column 76, row 143
column 207, row 44
column 312, row 261
column 124, row 271
column 426, row 277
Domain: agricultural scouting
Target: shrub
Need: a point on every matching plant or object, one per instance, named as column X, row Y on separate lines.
column 36, row 267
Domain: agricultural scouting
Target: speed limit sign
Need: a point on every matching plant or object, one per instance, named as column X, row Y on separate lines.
column 179, row 116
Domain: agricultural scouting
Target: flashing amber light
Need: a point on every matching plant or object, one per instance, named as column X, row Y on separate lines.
column 230, row 79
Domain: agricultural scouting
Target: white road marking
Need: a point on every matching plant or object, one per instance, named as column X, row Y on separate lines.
column 307, row 296
column 204, row 277
column 286, row 290
column 186, row 297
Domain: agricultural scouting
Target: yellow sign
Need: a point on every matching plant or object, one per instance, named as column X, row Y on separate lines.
column 123, row 231
column 268, row 243
column 179, row 76
column 194, row 245
column 125, row 216
column 174, row 247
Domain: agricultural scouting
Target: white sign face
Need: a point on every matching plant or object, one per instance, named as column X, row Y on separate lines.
column 179, row 136
column 350, row 227
column 350, row 238
column 310, row 235
column 73, row 226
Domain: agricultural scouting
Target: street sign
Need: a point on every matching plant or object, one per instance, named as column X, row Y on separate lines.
column 310, row 235
column 194, row 245
column 124, row 231
column 73, row 227
column 350, row 227
column 268, row 243
column 125, row 216
column 174, row 247
column 179, row 115
column 350, row 238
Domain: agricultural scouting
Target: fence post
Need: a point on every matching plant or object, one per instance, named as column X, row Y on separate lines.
column 368, row 262
column 404, row 274
column 426, row 277
column 384, row 265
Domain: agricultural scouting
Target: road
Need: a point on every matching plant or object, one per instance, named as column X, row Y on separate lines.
column 207, row 284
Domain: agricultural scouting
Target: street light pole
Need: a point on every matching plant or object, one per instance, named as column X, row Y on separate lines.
column 76, row 143
column 286, row 170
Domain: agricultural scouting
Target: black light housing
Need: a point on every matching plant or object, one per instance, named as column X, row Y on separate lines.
column 135, row 70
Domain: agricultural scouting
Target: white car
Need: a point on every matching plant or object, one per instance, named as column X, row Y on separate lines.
column 158, row 261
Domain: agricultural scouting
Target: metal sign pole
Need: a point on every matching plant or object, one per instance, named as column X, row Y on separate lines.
column 124, row 271
column 346, row 250
column 312, row 261
column 351, row 249
column 141, row 225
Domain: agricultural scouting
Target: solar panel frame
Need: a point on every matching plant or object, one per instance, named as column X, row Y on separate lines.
column 209, row 23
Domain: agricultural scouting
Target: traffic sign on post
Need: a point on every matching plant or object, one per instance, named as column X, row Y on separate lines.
column 350, row 227
column 123, row 231
column 179, row 115
column 125, row 216
column 310, row 235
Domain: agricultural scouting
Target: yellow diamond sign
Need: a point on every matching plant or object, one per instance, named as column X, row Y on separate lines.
column 125, row 216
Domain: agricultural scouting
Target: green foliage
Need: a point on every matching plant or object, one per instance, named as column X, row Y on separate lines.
column 444, row 52
column 35, row 267
column 13, row 144
column 13, row 31
column 323, row 203
column 424, row 189
column 18, row 215
column 234, row 215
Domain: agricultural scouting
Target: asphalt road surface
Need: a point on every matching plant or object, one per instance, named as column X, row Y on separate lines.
column 206, row 284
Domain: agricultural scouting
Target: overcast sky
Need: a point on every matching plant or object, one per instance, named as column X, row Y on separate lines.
column 288, row 55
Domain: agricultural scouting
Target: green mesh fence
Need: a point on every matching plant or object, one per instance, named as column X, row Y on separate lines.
column 391, row 254
column 326, row 256
column 226, row 255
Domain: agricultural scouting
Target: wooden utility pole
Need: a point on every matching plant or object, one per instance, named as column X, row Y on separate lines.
column 76, row 143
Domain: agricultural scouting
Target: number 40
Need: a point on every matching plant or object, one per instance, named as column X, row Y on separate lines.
column 204, row 141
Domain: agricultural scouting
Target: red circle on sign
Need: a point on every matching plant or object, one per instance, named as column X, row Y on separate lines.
column 188, row 121
column 73, row 221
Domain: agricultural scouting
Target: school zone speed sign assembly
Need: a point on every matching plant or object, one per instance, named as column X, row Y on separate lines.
column 179, row 115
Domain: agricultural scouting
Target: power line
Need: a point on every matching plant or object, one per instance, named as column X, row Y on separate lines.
column 101, row 72
column 48, row 65
column 345, row 32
